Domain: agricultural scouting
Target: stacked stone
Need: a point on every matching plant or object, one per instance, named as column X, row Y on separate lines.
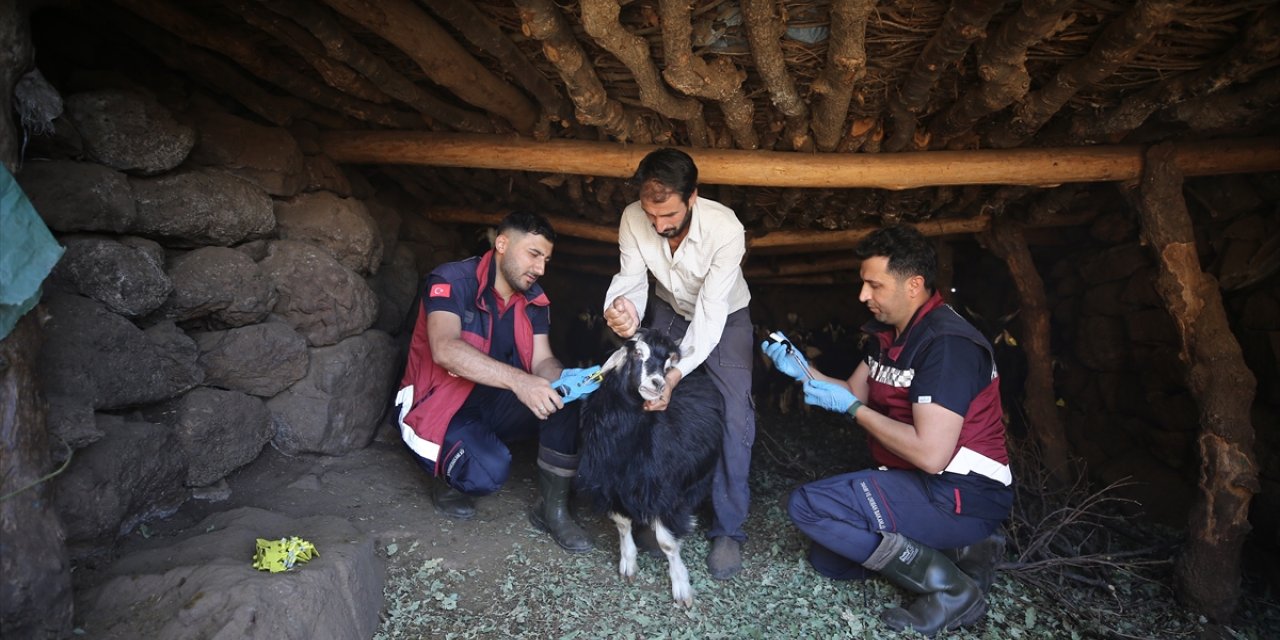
column 224, row 287
column 1131, row 413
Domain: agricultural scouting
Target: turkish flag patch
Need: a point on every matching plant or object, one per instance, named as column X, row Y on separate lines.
column 440, row 291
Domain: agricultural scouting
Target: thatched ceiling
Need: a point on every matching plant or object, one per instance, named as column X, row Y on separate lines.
column 848, row 80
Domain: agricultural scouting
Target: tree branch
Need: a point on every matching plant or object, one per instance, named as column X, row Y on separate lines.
column 846, row 65
column 411, row 30
column 600, row 20
column 720, row 81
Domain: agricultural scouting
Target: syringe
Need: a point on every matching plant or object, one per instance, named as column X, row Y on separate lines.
column 792, row 351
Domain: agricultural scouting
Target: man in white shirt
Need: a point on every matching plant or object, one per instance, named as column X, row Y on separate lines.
column 693, row 247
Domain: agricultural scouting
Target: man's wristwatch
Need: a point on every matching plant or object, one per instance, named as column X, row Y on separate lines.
column 853, row 408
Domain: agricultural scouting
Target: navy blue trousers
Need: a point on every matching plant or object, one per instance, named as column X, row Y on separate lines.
column 476, row 458
column 729, row 366
column 845, row 514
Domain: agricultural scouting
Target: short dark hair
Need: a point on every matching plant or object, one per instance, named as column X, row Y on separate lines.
column 671, row 168
column 909, row 253
column 527, row 222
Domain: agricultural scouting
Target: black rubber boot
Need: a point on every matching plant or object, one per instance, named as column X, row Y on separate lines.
column 452, row 503
column 978, row 560
column 949, row 599
column 552, row 511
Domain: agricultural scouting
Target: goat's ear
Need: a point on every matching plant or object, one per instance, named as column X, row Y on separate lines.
column 615, row 360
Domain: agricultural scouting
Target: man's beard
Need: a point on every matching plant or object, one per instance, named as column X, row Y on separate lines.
column 516, row 278
column 672, row 233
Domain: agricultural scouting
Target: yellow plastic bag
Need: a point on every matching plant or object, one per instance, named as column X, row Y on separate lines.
column 280, row 555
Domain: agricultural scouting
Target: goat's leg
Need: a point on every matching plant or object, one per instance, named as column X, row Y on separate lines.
column 627, row 546
column 670, row 545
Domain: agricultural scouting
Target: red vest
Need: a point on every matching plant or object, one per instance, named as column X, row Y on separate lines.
column 429, row 394
column 893, row 370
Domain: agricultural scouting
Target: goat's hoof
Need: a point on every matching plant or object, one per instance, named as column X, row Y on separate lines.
column 682, row 591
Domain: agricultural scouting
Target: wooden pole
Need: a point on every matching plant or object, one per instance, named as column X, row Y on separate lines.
column 776, row 242
column 1006, row 241
column 1030, row 166
column 1207, row 571
column 828, row 240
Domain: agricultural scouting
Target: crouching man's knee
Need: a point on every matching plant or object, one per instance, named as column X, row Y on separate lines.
column 477, row 466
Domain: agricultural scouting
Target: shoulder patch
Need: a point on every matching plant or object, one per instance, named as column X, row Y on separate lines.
column 440, row 291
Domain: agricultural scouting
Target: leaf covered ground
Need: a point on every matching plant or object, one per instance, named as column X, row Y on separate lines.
column 519, row 585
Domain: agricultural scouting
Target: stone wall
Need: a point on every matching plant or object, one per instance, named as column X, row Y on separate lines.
column 1130, row 414
column 224, row 288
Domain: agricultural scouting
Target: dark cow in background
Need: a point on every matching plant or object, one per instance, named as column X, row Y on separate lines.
column 652, row 467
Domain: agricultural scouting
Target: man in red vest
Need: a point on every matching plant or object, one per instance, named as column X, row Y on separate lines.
column 928, row 396
column 480, row 374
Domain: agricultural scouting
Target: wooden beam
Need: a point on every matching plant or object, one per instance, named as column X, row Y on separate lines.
column 340, row 45
column 721, row 80
column 542, row 21
column 1002, row 68
column 1030, row 166
column 1119, row 43
column 335, row 73
column 1207, row 571
column 764, row 29
column 804, row 267
column 208, row 69
column 241, row 46
column 811, row 240
column 1252, row 54
column 600, row 21
column 563, row 226
column 407, row 26
column 1006, row 241
column 776, row 242
column 965, row 23
column 484, row 34
column 845, row 67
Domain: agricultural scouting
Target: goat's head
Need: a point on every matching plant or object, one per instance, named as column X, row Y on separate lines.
column 643, row 362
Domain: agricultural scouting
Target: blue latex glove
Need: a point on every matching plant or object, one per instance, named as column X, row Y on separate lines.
column 788, row 360
column 576, row 383
column 828, row 395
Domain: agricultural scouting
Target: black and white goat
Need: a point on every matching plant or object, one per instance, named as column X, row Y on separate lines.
column 650, row 467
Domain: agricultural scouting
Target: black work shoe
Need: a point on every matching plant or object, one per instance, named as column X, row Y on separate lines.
column 725, row 559
column 453, row 503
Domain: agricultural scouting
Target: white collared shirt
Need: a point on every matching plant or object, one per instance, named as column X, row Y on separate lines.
column 702, row 280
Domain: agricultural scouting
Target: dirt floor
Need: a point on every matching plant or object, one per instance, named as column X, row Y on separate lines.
column 497, row 577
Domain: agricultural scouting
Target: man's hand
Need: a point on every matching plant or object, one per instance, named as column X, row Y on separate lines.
column 622, row 317
column 792, row 363
column 828, row 395
column 660, row 403
column 576, row 383
column 536, row 393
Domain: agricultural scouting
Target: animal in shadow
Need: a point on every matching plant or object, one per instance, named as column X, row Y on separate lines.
column 650, row 467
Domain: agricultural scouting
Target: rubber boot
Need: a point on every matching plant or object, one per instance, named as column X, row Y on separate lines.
column 949, row 599
column 979, row 559
column 452, row 503
column 552, row 511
